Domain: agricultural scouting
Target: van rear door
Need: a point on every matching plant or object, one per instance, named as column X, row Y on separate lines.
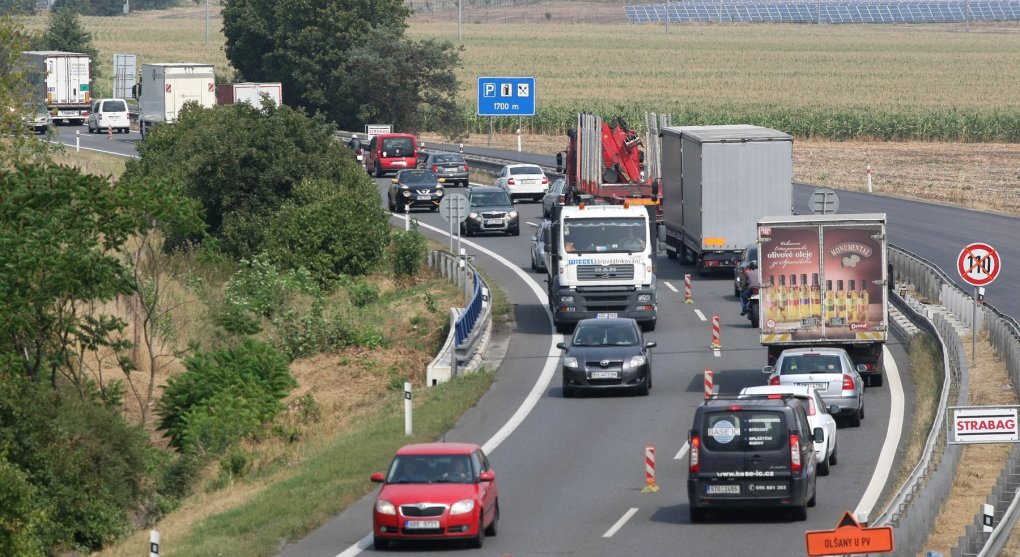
column 746, row 454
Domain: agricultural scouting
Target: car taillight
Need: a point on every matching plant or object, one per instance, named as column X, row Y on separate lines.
column 695, row 465
column 774, row 380
column 848, row 382
column 545, row 180
column 435, row 168
column 754, row 290
column 465, row 168
column 510, row 181
column 811, row 407
column 795, row 464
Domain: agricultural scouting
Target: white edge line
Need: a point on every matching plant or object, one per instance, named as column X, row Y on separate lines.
column 892, row 438
column 72, row 147
column 619, row 523
column 700, row 315
column 683, row 451
column 536, row 391
column 671, row 287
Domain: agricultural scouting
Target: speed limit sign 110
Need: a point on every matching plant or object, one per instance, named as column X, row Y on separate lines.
column 978, row 264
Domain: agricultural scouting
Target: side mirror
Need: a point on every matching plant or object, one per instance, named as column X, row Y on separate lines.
column 378, row 478
column 559, row 162
column 768, row 370
column 818, row 435
column 861, row 368
column 487, row 476
column 561, row 346
column 651, row 344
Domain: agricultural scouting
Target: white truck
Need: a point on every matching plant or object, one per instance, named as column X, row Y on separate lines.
column 164, row 88
column 61, row 80
column 251, row 93
column 717, row 181
column 599, row 261
column 824, row 282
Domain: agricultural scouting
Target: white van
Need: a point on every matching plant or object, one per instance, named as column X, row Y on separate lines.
column 109, row 113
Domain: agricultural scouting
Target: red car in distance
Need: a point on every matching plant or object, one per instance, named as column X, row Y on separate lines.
column 436, row 491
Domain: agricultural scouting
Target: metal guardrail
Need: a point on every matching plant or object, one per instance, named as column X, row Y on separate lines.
column 470, row 326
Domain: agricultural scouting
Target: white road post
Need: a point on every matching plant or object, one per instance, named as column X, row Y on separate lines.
column 987, row 518
column 153, row 543
column 869, row 178
column 518, row 140
column 407, row 218
column 407, row 409
column 77, row 141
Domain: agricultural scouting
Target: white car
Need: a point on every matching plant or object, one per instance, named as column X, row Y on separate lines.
column 109, row 115
column 523, row 180
column 818, row 416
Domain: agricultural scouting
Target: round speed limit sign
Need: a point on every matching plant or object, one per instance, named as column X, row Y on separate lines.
column 978, row 264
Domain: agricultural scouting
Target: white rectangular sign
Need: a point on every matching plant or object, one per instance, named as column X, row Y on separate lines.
column 378, row 129
column 983, row 424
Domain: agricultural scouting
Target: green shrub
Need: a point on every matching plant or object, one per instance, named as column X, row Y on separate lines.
column 409, row 251
column 223, row 396
column 362, row 293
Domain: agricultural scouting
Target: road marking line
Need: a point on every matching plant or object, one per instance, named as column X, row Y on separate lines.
column 700, row 315
column 537, row 391
column 683, row 451
column 892, row 439
column 619, row 523
column 671, row 287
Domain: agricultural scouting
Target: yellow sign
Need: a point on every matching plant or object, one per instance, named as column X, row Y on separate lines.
column 714, row 242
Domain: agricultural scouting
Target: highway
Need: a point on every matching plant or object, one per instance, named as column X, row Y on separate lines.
column 571, row 470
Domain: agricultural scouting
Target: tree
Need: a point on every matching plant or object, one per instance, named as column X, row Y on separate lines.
column 62, row 234
column 242, row 163
column 19, row 145
column 65, row 32
column 307, row 45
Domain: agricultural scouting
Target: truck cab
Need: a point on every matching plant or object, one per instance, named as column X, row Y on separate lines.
column 600, row 265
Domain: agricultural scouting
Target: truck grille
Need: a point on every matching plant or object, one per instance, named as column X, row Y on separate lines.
column 604, row 272
column 607, row 301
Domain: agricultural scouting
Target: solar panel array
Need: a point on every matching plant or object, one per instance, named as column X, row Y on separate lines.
column 829, row 11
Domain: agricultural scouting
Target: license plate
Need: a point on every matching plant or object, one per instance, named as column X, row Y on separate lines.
column 815, row 386
column 606, row 315
column 421, row 524
column 424, row 197
column 729, row 489
column 493, row 221
column 604, row 375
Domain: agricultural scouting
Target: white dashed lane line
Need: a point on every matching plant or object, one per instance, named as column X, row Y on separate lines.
column 671, row 287
column 619, row 523
column 700, row 315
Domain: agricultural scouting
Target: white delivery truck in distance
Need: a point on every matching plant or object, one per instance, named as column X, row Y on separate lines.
column 61, row 80
column 251, row 93
column 163, row 89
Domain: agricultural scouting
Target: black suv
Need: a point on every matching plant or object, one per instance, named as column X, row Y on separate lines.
column 491, row 210
column 751, row 453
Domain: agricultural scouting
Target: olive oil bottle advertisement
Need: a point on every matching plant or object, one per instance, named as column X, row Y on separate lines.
column 820, row 281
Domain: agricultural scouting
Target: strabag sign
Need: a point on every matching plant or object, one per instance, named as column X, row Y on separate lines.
column 982, row 424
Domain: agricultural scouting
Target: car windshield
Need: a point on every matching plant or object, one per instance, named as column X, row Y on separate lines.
column 604, row 235
column 114, row 106
column 519, row 170
column 802, row 365
column 489, row 198
column 431, row 469
column 448, row 159
column 397, row 146
column 417, row 177
column 600, row 335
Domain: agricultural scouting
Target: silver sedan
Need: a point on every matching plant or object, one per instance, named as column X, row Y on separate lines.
column 830, row 371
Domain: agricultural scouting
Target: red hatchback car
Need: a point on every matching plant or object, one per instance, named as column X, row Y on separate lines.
column 390, row 152
column 436, row 491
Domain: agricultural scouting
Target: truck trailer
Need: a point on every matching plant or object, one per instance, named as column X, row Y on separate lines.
column 717, row 181
column 62, row 81
column 599, row 261
column 251, row 93
column 163, row 89
column 824, row 283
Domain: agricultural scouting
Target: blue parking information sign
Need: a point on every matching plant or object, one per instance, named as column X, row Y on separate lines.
column 506, row 96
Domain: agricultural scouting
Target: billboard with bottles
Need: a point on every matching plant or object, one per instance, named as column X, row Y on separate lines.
column 822, row 278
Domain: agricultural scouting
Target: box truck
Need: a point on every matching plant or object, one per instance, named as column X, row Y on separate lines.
column 823, row 282
column 62, row 81
column 251, row 93
column 163, row 89
column 717, row 181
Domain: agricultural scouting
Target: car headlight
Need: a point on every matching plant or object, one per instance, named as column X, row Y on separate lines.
column 570, row 361
column 566, row 299
column 463, row 506
column 644, row 298
column 637, row 361
column 473, row 216
column 385, row 507
column 512, row 214
column 405, row 193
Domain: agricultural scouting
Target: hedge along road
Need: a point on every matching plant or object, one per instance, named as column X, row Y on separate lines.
column 570, row 476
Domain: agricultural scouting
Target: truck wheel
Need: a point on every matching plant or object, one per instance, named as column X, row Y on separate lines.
column 753, row 315
column 671, row 253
